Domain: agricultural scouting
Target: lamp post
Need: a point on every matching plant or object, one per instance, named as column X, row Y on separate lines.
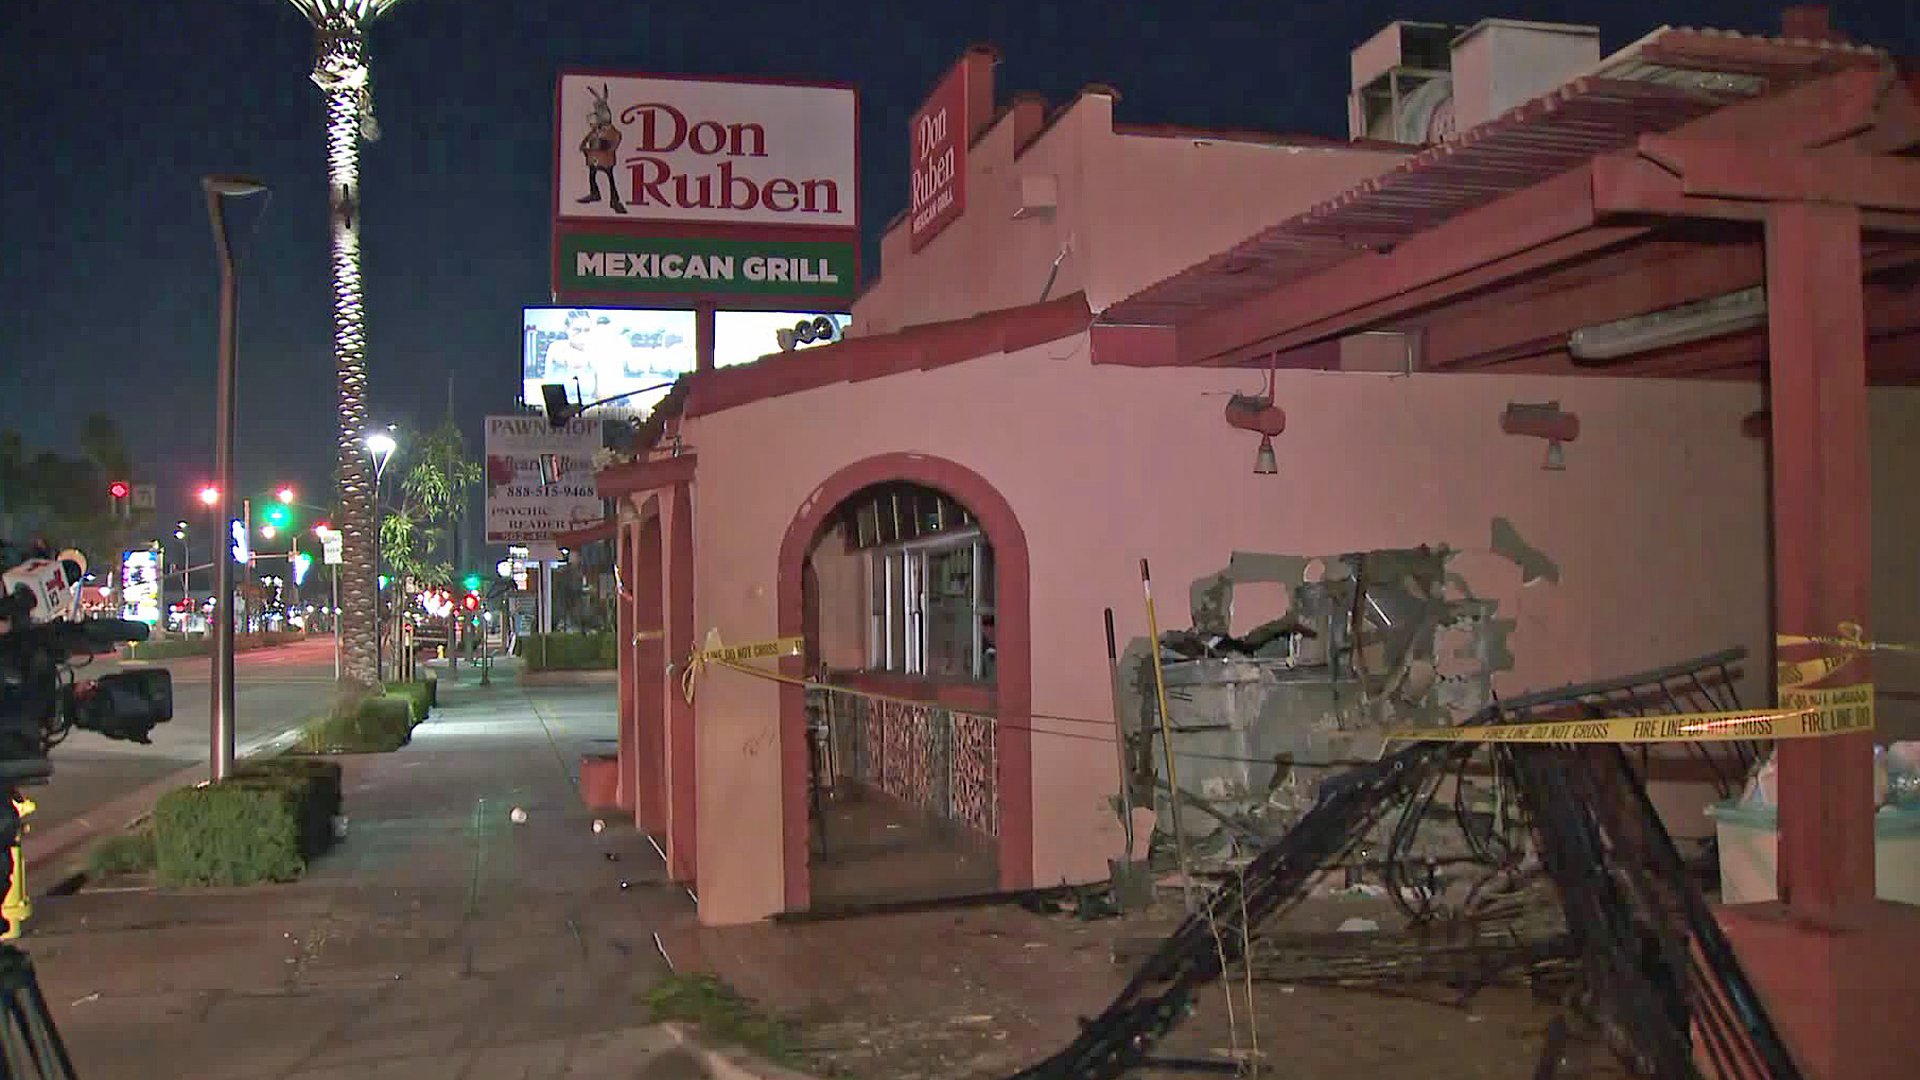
column 380, row 447
column 219, row 189
column 180, row 531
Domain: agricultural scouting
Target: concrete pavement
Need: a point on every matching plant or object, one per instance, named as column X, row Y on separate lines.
column 440, row 940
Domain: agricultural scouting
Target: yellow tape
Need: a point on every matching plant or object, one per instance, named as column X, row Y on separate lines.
column 759, row 650
column 713, row 652
column 1852, row 637
column 1849, row 709
column 1805, row 712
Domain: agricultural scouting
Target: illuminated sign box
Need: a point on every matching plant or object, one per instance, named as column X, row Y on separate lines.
column 720, row 191
column 599, row 353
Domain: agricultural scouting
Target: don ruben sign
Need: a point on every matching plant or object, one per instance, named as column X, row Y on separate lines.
column 679, row 189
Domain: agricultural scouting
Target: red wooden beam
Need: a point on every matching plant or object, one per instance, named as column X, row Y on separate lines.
column 1822, row 548
column 1550, row 221
column 1625, row 183
column 635, row 476
column 1666, row 276
column 603, row 529
column 1814, row 114
column 1134, row 346
column 1730, row 170
column 1896, row 127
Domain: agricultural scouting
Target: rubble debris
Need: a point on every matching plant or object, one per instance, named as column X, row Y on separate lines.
column 1259, row 721
column 1659, row 973
column 1467, row 959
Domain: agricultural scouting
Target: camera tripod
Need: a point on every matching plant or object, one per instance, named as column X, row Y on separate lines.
column 30, row 1044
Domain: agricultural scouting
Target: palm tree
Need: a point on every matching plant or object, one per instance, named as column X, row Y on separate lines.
column 340, row 70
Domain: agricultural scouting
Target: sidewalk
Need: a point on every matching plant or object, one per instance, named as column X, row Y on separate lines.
column 439, row 940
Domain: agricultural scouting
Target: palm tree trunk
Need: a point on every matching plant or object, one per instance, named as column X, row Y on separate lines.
column 340, row 49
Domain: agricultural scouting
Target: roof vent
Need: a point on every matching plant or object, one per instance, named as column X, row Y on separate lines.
column 1808, row 22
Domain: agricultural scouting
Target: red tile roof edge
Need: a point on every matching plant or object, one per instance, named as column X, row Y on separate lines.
column 914, row 348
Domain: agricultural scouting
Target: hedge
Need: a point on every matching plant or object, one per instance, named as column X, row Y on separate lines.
column 418, row 694
column 266, row 823
column 122, row 853
column 372, row 726
column 316, row 783
column 567, row 652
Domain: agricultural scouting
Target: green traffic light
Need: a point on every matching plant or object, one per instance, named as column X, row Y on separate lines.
column 278, row 516
column 473, row 582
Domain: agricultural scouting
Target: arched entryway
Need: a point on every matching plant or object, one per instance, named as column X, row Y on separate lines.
column 998, row 691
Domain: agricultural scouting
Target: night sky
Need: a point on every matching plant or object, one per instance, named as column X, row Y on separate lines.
column 115, row 108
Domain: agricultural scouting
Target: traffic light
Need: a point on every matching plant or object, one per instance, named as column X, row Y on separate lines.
column 278, row 515
column 470, row 602
column 119, row 489
column 472, row 583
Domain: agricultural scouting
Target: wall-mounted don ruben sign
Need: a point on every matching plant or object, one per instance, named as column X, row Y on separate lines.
column 941, row 130
column 678, row 191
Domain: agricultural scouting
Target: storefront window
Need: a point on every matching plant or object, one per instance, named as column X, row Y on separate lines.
column 931, row 608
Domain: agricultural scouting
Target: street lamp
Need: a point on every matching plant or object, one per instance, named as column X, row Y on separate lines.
column 219, row 189
column 380, row 448
column 180, row 531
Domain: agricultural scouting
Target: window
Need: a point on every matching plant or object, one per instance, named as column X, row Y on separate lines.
column 931, row 608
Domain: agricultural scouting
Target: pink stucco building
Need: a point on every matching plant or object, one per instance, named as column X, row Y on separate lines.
column 1033, row 401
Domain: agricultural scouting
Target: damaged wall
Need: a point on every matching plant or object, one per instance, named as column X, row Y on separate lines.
column 1656, row 530
column 1365, row 642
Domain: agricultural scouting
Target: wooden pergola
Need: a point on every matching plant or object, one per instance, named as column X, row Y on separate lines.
column 1691, row 166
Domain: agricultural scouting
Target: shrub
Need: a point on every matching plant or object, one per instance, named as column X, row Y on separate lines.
column 568, row 652
column 370, row 726
column 722, row 1014
column 316, row 783
column 126, row 853
column 417, row 694
column 238, row 832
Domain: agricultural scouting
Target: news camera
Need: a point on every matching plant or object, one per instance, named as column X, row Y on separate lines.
column 42, row 635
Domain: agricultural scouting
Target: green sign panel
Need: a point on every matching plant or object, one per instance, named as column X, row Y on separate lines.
column 667, row 266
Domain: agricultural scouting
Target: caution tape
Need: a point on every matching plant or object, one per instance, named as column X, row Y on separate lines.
column 1852, row 637
column 1806, row 711
column 1735, row 726
column 713, row 652
column 759, row 650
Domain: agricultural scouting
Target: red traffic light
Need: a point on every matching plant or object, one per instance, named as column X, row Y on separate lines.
column 471, row 602
column 119, row 489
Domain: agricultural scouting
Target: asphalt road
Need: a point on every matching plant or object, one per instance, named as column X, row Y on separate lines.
column 275, row 690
